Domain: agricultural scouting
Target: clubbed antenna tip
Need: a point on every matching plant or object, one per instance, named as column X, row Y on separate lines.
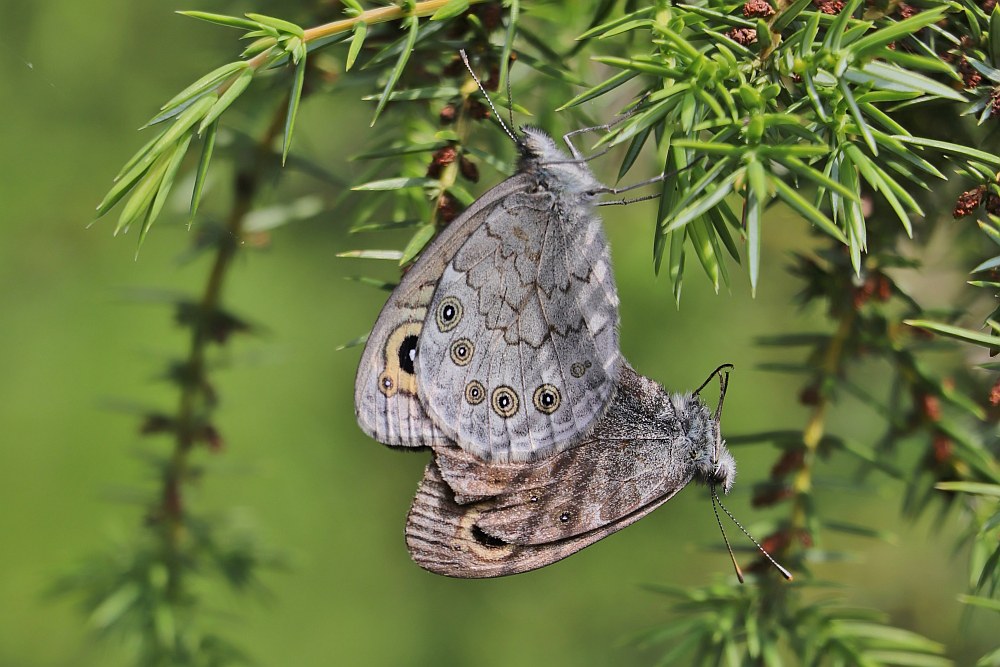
column 739, row 573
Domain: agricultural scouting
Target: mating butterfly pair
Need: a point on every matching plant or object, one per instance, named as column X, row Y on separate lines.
column 499, row 350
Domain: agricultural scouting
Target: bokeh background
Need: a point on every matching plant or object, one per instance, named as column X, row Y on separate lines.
column 75, row 347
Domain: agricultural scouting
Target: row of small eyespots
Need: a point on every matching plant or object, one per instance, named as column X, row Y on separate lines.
column 462, row 350
column 449, row 314
column 505, row 401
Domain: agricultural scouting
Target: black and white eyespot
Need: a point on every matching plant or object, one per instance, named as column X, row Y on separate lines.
column 461, row 351
column 448, row 314
column 504, row 401
column 475, row 392
column 547, row 399
column 407, row 354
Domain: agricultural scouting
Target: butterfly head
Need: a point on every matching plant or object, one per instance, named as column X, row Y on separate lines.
column 714, row 464
column 553, row 168
column 710, row 461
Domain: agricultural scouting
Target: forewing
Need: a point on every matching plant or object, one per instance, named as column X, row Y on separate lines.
column 519, row 354
column 386, row 393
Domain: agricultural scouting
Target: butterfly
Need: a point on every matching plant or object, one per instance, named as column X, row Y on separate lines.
column 503, row 336
column 472, row 519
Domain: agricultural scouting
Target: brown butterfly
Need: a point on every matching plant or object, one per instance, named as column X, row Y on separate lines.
column 473, row 519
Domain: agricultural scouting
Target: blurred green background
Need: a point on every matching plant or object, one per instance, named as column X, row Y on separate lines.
column 77, row 79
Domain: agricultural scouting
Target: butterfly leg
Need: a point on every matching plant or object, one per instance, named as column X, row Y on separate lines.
column 640, row 184
column 597, row 128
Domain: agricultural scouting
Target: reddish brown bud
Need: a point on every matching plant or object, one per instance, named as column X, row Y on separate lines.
column 988, row 5
column 759, row 9
column 832, row 7
column 790, row 461
column 742, row 36
column 995, row 102
column 445, row 156
column 995, row 394
column 469, row 169
column 478, row 110
column 971, row 77
column 883, row 287
column 942, row 448
column 211, row 437
column 447, row 114
column 492, row 81
column 490, row 15
column 993, row 204
column 772, row 496
column 441, row 159
column 929, row 406
column 906, row 11
column 809, row 395
column 447, row 208
column 776, row 542
column 968, row 201
column 864, row 292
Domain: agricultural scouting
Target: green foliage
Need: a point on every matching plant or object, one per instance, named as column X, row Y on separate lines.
column 819, row 106
column 754, row 625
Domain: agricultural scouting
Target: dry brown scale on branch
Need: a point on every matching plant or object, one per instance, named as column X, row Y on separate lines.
column 743, row 36
column 832, row 7
column 758, row 9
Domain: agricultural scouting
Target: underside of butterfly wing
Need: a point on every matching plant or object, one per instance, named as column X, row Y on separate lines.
column 639, row 454
column 386, row 400
column 519, row 353
column 444, row 537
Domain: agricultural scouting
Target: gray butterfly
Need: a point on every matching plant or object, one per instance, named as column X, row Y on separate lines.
column 472, row 519
column 503, row 336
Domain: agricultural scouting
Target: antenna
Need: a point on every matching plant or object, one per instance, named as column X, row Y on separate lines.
column 732, row 556
column 718, row 371
column 723, row 373
column 510, row 98
column 739, row 573
column 496, row 114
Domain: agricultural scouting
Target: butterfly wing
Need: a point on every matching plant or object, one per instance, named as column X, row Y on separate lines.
column 519, row 354
column 386, row 399
column 637, row 456
column 444, row 537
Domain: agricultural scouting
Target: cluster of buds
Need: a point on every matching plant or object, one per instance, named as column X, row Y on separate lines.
column 832, row 7
column 742, row 36
column 758, row 9
column 970, row 200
